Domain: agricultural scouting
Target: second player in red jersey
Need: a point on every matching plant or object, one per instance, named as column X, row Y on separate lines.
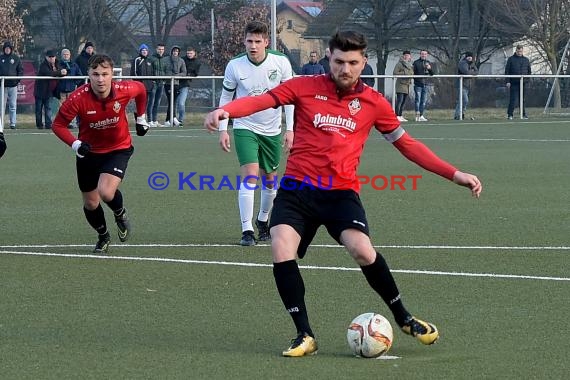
column 103, row 146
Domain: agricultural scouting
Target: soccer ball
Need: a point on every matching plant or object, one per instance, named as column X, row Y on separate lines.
column 370, row 335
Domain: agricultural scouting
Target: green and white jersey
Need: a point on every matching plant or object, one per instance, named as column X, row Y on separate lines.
column 245, row 78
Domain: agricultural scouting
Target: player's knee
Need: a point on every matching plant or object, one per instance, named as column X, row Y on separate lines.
column 107, row 195
column 362, row 251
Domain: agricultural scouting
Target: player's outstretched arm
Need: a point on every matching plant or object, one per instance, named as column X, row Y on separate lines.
column 469, row 180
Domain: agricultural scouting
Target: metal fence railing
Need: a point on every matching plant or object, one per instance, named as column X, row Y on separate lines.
column 487, row 91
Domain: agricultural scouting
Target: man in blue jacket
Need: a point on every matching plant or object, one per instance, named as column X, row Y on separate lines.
column 10, row 66
column 313, row 67
column 517, row 64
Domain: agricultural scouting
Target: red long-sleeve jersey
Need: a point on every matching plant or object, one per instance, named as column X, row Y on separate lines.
column 331, row 129
column 102, row 122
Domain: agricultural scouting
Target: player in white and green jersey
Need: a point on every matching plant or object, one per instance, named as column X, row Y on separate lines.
column 257, row 137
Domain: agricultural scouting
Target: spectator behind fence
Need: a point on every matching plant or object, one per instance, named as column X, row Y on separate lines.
column 312, row 67
column 421, row 67
column 466, row 67
column 192, row 70
column 45, row 90
column 159, row 66
column 367, row 70
column 66, row 86
column 10, row 66
column 403, row 67
column 83, row 58
column 517, row 64
column 325, row 61
column 176, row 67
column 142, row 67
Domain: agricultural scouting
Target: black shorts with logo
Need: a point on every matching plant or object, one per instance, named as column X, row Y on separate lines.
column 90, row 167
column 306, row 208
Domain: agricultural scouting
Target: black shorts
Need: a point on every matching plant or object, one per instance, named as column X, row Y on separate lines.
column 307, row 208
column 90, row 167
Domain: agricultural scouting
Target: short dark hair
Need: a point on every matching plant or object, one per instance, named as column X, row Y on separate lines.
column 257, row 27
column 100, row 60
column 347, row 41
column 407, row 52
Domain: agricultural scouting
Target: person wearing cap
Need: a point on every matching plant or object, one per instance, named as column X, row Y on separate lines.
column 10, row 66
column 66, row 86
column 403, row 67
column 177, row 68
column 83, row 58
column 466, row 67
column 192, row 70
column 142, row 67
column 46, row 89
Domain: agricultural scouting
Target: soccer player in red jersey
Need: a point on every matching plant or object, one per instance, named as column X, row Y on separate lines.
column 103, row 146
column 333, row 117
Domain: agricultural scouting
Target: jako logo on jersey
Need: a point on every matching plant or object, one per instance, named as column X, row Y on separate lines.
column 103, row 124
column 321, row 97
column 117, row 107
column 354, row 106
column 328, row 121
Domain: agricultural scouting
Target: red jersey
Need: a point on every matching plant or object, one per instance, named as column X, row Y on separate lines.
column 331, row 129
column 102, row 122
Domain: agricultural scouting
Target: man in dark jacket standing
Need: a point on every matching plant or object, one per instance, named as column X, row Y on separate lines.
column 160, row 63
column 466, row 67
column 421, row 67
column 312, row 67
column 45, row 89
column 325, row 61
column 175, row 67
column 192, row 70
column 10, row 66
column 142, row 67
column 517, row 64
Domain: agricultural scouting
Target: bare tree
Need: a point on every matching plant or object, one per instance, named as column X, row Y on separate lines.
column 544, row 24
column 230, row 20
column 459, row 26
column 162, row 15
column 11, row 25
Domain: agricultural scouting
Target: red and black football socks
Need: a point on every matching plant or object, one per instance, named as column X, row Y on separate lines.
column 381, row 280
column 96, row 219
column 292, row 292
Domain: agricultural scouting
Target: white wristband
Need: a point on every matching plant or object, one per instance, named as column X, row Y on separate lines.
column 75, row 146
column 141, row 119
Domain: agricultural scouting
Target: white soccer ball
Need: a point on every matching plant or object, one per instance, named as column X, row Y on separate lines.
column 370, row 335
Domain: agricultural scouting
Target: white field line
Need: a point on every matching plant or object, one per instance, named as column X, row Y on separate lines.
column 205, row 245
column 246, row 264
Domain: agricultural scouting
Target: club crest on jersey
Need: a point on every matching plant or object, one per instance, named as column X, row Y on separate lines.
column 117, row 106
column 354, row 106
column 272, row 74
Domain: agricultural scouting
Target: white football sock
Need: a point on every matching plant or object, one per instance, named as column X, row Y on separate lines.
column 266, row 204
column 245, row 202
